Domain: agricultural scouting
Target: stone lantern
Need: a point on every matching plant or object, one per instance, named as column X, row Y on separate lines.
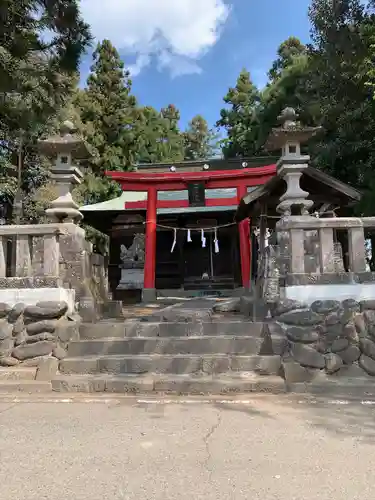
column 64, row 148
column 289, row 137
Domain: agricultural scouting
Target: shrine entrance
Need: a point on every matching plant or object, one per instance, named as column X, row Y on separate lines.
column 213, row 266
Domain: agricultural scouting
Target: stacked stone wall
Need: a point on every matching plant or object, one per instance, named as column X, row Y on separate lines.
column 29, row 334
column 329, row 336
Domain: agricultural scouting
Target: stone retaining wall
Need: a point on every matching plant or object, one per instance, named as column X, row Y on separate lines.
column 29, row 334
column 329, row 336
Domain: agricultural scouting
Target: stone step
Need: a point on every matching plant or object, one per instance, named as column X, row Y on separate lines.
column 105, row 329
column 178, row 364
column 226, row 383
column 340, row 387
column 173, row 345
column 17, row 373
column 29, row 386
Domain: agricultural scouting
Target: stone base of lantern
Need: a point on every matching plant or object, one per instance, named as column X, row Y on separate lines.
column 31, row 296
column 307, row 288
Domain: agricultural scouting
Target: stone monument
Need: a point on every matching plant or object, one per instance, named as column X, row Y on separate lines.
column 132, row 264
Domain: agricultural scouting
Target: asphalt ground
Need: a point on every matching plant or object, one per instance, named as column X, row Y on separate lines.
column 265, row 447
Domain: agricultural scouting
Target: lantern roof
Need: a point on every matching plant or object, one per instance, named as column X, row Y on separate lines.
column 66, row 143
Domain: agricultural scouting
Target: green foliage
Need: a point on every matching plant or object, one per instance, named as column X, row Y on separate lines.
column 240, row 119
column 35, row 80
column 199, row 141
column 107, row 111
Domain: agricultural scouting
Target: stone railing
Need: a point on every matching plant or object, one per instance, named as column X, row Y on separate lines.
column 36, row 253
column 296, row 228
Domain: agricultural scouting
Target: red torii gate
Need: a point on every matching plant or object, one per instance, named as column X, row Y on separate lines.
column 176, row 181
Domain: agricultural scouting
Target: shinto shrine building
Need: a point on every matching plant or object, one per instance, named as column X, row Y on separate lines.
column 186, row 213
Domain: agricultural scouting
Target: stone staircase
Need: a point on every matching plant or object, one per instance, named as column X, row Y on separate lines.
column 175, row 351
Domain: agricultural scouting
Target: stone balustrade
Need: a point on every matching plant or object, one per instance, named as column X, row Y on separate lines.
column 37, row 252
column 296, row 227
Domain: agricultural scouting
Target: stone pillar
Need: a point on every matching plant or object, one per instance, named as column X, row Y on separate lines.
column 3, row 256
column 149, row 291
column 326, row 250
column 297, row 263
column 357, row 251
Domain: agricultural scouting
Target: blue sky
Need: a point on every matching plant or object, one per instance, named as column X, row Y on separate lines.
column 188, row 52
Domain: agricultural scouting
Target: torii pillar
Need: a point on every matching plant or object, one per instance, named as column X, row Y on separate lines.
column 245, row 246
column 149, row 289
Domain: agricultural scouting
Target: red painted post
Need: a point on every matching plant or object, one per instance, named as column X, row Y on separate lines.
column 245, row 245
column 150, row 244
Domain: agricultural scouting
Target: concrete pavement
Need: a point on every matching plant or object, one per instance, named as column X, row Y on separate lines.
column 267, row 447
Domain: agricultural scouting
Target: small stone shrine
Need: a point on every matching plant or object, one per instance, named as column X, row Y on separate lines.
column 132, row 264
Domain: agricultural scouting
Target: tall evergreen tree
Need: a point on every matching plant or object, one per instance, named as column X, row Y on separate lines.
column 171, row 139
column 338, row 58
column 199, row 141
column 289, row 86
column 35, row 81
column 240, row 119
column 287, row 52
column 108, row 111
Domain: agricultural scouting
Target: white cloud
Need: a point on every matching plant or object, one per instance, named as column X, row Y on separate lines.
column 176, row 33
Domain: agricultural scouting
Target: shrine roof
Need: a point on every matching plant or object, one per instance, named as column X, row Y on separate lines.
column 213, row 163
column 323, row 188
column 119, row 204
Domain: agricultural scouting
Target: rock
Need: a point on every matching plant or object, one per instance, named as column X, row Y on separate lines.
column 39, row 337
column 367, row 304
column 4, row 310
column 246, row 306
column 300, row 318
column 231, row 305
column 47, row 369
column 28, row 351
column 302, row 334
column 6, row 347
column 339, row 345
column 18, row 326
column 351, row 354
column 367, row 346
column 369, row 317
column 325, row 306
column 16, row 312
column 349, row 331
column 285, row 306
column 74, row 317
column 32, row 362
column 347, row 316
column 5, row 329
column 48, row 326
column 334, row 331
column 371, row 331
column 333, row 363
column 20, row 338
column 352, row 370
column 46, row 310
column 59, row 352
column 333, row 319
column 367, row 364
column 67, row 330
column 9, row 361
column 293, row 372
column 321, row 346
column 351, row 305
column 307, row 356
column 53, row 304
column 360, row 325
